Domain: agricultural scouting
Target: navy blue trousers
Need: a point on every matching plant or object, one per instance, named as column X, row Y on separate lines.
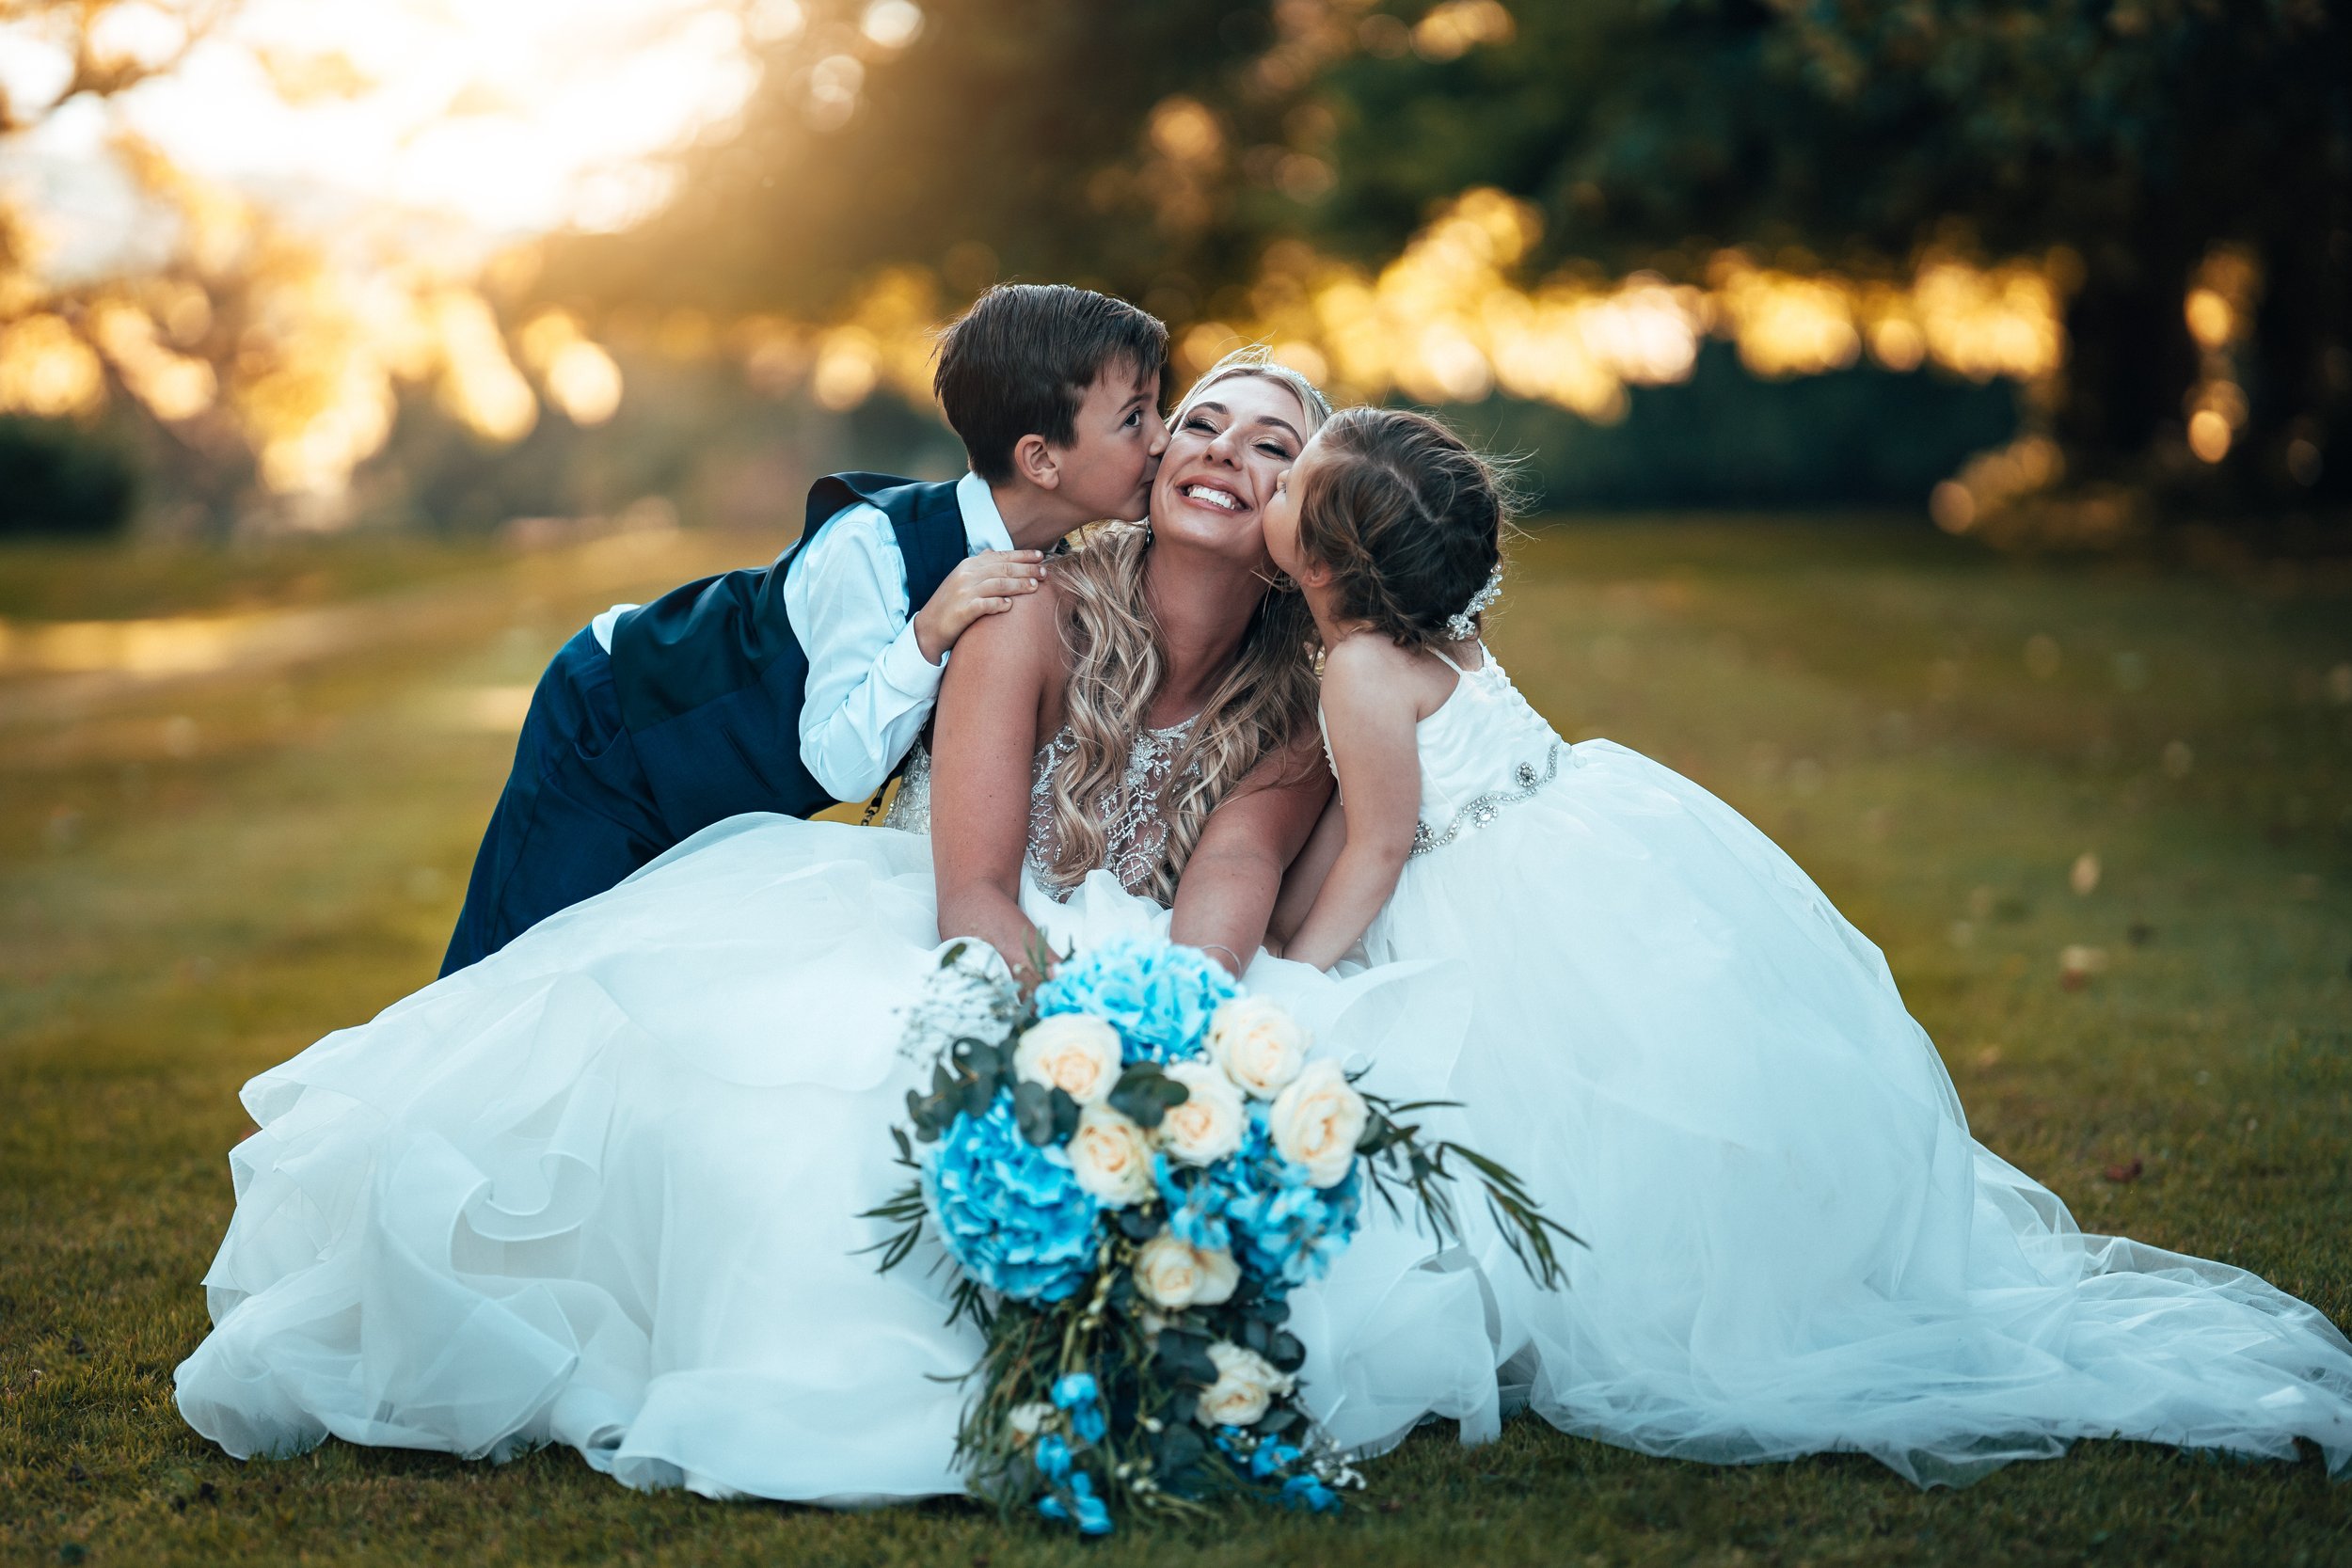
column 577, row 815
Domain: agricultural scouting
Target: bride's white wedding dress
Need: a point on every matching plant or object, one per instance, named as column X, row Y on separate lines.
column 1794, row 1244
column 602, row 1188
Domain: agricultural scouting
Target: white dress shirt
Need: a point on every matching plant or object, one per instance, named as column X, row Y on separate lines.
column 869, row 687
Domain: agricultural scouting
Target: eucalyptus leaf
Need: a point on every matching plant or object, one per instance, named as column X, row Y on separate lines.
column 1180, row 1446
column 1033, row 1113
column 1145, row 1094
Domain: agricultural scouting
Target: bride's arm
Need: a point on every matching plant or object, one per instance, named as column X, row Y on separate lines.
column 983, row 743
column 1228, row 886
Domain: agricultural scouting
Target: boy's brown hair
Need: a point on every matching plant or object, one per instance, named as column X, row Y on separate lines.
column 1021, row 361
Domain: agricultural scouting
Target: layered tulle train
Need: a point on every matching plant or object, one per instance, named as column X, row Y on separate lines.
column 1794, row 1245
column 603, row 1190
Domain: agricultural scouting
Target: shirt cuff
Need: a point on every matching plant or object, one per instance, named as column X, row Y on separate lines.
column 905, row 667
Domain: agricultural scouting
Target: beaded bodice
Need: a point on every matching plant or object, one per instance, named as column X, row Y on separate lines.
column 1482, row 750
column 1133, row 815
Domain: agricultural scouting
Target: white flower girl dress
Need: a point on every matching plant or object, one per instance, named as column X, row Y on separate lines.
column 1793, row 1244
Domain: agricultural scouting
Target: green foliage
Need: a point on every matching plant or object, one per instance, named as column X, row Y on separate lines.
column 996, row 126
column 1396, row 1157
column 1011, row 141
column 60, row 478
column 1864, row 436
column 2134, row 135
column 1145, row 1094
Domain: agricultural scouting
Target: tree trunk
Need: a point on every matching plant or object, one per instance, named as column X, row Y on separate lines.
column 2131, row 360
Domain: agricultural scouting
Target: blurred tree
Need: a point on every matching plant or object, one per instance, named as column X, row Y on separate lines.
column 1158, row 148
column 59, row 478
column 2137, row 134
column 255, row 361
column 1005, row 138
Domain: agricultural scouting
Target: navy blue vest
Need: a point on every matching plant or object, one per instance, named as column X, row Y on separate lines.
column 710, row 676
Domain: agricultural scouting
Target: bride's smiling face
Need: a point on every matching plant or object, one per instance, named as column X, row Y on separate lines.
column 1227, row 449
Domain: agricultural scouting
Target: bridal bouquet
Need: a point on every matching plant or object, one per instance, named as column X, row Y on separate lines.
column 1130, row 1172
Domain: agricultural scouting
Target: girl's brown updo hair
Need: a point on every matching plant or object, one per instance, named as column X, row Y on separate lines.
column 1408, row 519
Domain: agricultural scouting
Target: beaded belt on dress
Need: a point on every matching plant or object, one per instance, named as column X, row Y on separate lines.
column 1484, row 809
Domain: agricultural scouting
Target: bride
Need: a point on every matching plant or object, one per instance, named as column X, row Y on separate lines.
column 602, row 1188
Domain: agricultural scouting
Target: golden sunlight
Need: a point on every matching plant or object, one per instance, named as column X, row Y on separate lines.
column 347, row 169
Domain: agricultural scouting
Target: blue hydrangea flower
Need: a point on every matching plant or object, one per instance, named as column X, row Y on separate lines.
column 1156, row 994
column 1286, row 1232
column 1010, row 1213
column 1196, row 1209
column 1053, row 1456
column 1307, row 1491
column 1076, row 1393
column 1094, row 1517
column 1270, row 1457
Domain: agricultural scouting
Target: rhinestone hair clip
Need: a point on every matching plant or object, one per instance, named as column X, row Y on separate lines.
column 1463, row 624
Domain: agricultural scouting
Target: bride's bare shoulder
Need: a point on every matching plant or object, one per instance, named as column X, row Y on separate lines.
column 1025, row 640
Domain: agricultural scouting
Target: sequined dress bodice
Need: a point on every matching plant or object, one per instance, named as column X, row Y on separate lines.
column 1135, row 825
column 1482, row 750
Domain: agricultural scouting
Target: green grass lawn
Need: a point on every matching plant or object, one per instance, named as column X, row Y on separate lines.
column 1987, row 763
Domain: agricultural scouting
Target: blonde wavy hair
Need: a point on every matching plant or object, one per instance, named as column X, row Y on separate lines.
column 1117, row 660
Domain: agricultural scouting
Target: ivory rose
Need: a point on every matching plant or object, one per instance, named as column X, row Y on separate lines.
column 1209, row 1124
column 1072, row 1053
column 1109, row 1156
column 1260, row 1046
column 1174, row 1274
column 1316, row 1121
column 1246, row 1384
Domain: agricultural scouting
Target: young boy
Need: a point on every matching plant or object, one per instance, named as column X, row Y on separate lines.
column 789, row 687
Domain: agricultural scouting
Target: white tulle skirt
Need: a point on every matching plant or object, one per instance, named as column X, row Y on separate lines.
column 603, row 1189
column 1793, row 1244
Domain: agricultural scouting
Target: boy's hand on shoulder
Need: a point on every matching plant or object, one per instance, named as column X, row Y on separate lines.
column 984, row 584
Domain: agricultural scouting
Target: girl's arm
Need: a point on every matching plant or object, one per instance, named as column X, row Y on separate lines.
column 1228, row 885
column 1305, row 878
column 983, row 744
column 1370, row 706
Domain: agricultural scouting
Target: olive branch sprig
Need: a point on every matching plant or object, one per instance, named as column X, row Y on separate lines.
column 1397, row 1159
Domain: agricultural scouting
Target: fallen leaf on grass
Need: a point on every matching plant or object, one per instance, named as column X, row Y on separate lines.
column 2127, row 1172
column 2076, row 965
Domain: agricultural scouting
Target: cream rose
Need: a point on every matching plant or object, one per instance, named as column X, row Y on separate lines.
column 1246, row 1384
column 1174, row 1274
column 1070, row 1052
column 1209, row 1124
column 1316, row 1121
column 1109, row 1156
column 1260, row 1046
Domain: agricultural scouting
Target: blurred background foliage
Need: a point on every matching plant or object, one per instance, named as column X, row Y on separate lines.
column 2051, row 272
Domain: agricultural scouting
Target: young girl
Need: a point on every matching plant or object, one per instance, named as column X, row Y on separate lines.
column 1793, row 1243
